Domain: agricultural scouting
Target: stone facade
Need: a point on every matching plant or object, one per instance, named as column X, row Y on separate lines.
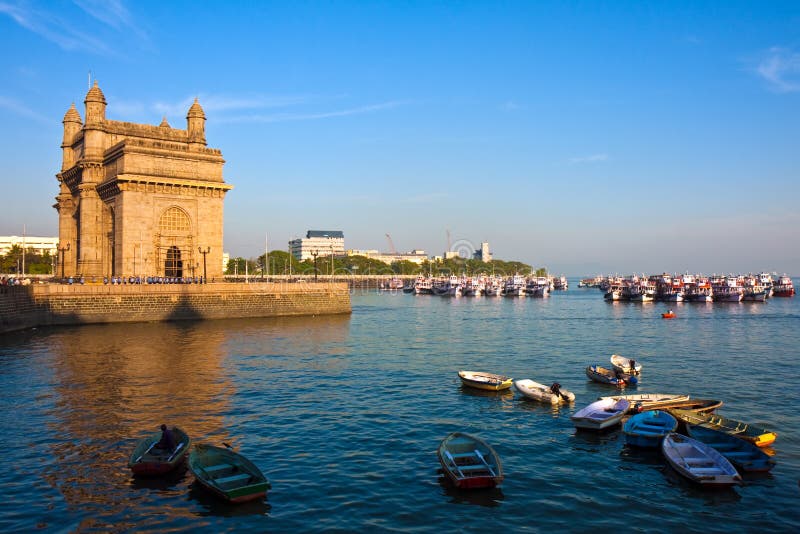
column 137, row 199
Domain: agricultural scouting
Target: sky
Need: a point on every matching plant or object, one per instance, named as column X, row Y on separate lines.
column 585, row 137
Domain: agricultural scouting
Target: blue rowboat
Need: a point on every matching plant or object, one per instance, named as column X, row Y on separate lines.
column 745, row 456
column 698, row 462
column 647, row 429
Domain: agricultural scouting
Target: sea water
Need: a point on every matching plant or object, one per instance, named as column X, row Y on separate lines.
column 344, row 414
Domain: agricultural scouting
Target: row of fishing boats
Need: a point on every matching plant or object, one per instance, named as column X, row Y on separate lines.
column 694, row 287
column 710, row 449
column 487, row 285
column 225, row 473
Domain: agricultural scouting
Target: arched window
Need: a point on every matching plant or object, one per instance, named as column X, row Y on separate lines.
column 174, row 221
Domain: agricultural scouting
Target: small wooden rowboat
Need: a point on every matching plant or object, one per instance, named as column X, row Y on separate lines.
column 758, row 436
column 698, row 462
column 742, row 454
column 487, row 381
column 227, row 474
column 649, row 401
column 625, row 365
column 601, row 414
column 147, row 459
column 653, row 401
column 553, row 394
column 647, row 429
column 607, row 376
column 469, row 462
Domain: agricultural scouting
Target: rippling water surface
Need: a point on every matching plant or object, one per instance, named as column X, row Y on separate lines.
column 344, row 414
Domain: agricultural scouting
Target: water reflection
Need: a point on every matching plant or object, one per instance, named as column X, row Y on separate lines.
column 116, row 383
column 488, row 497
column 711, row 496
column 213, row 506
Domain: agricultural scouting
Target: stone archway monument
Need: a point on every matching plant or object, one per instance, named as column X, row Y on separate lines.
column 138, row 199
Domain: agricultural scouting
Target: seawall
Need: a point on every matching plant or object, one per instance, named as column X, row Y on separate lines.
column 57, row 304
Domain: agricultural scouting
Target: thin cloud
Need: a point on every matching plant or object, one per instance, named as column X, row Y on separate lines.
column 52, row 28
column 285, row 117
column 113, row 13
column 217, row 103
column 510, row 105
column 22, row 110
column 589, row 159
column 780, row 67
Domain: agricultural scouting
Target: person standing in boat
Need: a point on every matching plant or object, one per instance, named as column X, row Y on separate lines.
column 167, row 441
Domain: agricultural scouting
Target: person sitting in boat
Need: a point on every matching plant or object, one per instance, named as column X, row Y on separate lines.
column 167, row 441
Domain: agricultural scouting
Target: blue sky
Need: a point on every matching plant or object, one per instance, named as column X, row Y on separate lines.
column 587, row 137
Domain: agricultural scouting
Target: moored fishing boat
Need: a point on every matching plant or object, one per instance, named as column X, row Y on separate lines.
column 553, row 394
column 698, row 462
column 227, row 474
column 759, row 436
column 647, row 429
column 601, row 414
column 607, row 376
column 625, row 365
column 148, row 459
column 514, row 286
column 783, row 287
column 742, row 454
column 469, row 462
column 487, row 381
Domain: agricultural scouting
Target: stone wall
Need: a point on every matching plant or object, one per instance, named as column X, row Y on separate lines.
column 50, row 304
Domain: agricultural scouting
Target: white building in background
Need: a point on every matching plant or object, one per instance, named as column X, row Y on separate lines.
column 319, row 242
column 39, row 244
column 415, row 256
column 483, row 254
column 226, row 257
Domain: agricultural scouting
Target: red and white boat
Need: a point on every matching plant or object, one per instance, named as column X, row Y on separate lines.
column 727, row 289
column 783, row 287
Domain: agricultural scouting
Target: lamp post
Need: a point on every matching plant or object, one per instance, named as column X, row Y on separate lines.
column 204, row 252
column 315, row 253
column 62, row 251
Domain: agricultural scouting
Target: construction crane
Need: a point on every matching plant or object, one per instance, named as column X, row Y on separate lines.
column 391, row 245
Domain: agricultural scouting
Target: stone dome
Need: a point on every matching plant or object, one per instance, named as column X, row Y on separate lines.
column 72, row 115
column 95, row 94
column 196, row 111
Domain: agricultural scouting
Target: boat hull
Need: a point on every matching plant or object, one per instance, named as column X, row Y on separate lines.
column 227, row 474
column 745, row 456
column 698, row 462
column 469, row 462
column 607, row 376
column 540, row 392
column 647, row 429
column 601, row 414
column 146, row 460
column 485, row 381
column 756, row 435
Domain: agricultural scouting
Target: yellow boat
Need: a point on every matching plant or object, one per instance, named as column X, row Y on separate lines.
column 761, row 437
column 487, row 381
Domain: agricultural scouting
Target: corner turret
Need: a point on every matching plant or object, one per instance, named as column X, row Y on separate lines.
column 72, row 125
column 196, row 126
column 95, row 105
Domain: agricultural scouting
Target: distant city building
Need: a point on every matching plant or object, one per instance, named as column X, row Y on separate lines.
column 483, row 254
column 39, row 244
column 226, row 257
column 451, row 254
column 319, row 242
column 415, row 256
